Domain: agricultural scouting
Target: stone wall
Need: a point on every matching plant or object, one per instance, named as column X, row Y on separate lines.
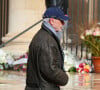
column 24, row 13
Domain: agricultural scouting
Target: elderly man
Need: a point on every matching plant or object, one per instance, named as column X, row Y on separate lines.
column 45, row 60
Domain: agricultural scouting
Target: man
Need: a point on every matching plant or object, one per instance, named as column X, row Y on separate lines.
column 62, row 4
column 45, row 60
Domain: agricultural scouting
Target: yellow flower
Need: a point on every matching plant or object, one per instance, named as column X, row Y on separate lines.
column 87, row 67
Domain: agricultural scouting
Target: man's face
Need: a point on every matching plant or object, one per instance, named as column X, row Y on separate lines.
column 56, row 24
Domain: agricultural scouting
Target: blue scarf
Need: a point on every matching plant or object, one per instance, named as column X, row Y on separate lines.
column 57, row 34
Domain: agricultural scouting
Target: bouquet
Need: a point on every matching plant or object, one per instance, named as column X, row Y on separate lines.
column 91, row 39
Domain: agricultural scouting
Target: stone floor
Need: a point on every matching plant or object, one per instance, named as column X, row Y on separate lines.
column 86, row 81
column 10, row 80
column 16, row 81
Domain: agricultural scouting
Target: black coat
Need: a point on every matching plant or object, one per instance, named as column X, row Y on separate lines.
column 45, row 62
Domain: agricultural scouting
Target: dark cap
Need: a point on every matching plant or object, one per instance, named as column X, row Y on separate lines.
column 55, row 12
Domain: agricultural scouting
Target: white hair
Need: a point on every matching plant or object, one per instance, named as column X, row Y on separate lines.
column 46, row 20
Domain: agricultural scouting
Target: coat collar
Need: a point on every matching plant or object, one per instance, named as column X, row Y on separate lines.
column 57, row 40
column 51, row 31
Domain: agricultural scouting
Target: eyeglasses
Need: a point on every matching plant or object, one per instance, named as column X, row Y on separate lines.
column 61, row 21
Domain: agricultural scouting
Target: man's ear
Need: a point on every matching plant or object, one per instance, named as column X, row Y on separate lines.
column 51, row 21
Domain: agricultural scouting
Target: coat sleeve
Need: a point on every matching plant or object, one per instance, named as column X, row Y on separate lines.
column 49, row 60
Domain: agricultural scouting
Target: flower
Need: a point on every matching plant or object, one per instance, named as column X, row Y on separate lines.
column 6, row 60
column 21, row 63
column 2, row 57
column 91, row 39
column 69, row 60
column 83, row 68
